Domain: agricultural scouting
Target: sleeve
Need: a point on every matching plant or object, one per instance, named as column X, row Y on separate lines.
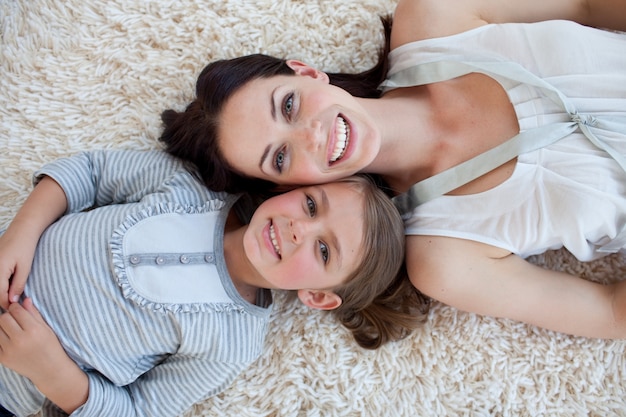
column 99, row 178
column 167, row 390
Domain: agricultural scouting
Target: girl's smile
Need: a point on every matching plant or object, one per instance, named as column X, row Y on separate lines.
column 271, row 239
column 310, row 238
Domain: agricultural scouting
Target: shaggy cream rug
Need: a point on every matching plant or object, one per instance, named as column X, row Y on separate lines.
column 87, row 74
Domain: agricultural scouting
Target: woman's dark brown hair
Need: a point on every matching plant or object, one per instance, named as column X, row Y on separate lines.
column 379, row 303
column 192, row 134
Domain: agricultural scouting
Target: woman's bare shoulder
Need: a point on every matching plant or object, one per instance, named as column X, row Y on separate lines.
column 439, row 257
column 424, row 19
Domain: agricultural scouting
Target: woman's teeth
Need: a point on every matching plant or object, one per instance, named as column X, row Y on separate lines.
column 342, row 133
column 274, row 241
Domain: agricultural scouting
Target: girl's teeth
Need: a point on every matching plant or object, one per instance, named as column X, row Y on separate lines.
column 342, row 133
column 274, row 241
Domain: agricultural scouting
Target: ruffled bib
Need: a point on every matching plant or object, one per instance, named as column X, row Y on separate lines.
column 169, row 257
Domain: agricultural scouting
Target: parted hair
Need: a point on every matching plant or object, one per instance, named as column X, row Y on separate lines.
column 379, row 303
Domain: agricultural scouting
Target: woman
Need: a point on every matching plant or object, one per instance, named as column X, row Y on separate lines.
column 459, row 84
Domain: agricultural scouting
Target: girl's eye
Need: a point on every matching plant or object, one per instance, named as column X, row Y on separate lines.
column 324, row 252
column 279, row 160
column 310, row 203
column 312, row 208
column 288, row 105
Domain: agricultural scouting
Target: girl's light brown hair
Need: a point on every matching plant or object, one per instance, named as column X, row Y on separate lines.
column 379, row 304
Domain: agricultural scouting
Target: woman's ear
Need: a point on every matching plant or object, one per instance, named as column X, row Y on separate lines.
column 319, row 299
column 300, row 68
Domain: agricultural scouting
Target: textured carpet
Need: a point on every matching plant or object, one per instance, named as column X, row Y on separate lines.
column 87, row 74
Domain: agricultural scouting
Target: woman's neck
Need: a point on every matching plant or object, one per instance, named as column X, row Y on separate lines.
column 410, row 142
column 428, row 129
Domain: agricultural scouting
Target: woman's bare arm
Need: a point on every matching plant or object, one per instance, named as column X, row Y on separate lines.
column 422, row 19
column 609, row 14
column 486, row 280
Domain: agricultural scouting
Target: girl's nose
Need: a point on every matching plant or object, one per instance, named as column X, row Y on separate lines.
column 299, row 228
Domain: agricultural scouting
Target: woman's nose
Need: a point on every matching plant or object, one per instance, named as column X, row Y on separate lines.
column 312, row 136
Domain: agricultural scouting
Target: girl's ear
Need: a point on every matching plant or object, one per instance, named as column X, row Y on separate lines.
column 319, row 299
column 301, row 68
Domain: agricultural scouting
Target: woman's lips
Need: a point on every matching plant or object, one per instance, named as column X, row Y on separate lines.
column 341, row 140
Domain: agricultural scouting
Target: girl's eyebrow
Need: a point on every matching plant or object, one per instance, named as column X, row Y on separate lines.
column 334, row 242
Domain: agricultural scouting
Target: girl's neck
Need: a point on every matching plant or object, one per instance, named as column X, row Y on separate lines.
column 236, row 262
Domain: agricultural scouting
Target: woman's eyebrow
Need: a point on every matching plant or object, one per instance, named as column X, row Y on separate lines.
column 264, row 157
column 273, row 113
column 273, row 103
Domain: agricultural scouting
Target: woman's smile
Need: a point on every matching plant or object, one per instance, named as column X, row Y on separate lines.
column 341, row 140
column 322, row 135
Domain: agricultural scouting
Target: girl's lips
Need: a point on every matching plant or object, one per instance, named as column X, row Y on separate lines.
column 270, row 237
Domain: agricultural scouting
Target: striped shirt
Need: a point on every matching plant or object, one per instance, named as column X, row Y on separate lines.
column 134, row 283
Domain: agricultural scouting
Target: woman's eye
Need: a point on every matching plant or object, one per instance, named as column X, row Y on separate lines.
column 310, row 203
column 279, row 160
column 324, row 252
column 288, row 105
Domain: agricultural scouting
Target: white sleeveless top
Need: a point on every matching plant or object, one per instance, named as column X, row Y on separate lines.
column 569, row 91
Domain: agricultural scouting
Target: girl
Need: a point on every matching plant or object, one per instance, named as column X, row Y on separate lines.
column 459, row 83
column 158, row 293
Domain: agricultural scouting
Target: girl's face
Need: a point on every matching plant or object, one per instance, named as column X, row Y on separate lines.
column 296, row 130
column 308, row 238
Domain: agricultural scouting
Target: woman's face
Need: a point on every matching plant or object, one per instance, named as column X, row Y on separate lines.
column 296, row 130
column 308, row 238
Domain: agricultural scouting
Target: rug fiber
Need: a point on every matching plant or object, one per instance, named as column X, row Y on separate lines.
column 92, row 74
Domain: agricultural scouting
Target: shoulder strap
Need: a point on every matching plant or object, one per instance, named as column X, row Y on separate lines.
column 527, row 141
column 461, row 174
